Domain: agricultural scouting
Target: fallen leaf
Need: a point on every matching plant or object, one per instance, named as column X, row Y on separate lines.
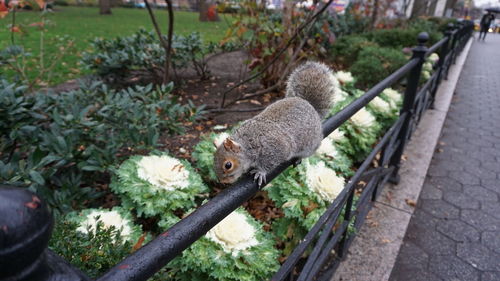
column 139, row 243
column 256, row 102
column 389, row 196
column 411, row 202
column 309, row 208
column 15, row 28
column 385, row 241
column 266, row 98
column 37, row 24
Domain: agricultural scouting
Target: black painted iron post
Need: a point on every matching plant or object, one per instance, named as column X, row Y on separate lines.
column 25, row 230
column 347, row 217
column 449, row 46
column 441, row 64
column 455, row 42
column 408, row 104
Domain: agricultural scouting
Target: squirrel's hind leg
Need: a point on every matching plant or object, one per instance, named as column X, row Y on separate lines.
column 259, row 176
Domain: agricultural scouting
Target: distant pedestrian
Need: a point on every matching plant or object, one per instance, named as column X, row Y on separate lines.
column 485, row 24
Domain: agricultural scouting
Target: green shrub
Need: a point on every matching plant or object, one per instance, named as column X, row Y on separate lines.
column 60, row 3
column 347, row 48
column 374, row 64
column 93, row 248
column 399, row 38
column 60, row 145
column 328, row 26
column 114, row 59
column 428, row 24
column 141, row 54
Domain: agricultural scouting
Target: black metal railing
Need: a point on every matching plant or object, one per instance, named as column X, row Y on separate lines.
column 25, row 224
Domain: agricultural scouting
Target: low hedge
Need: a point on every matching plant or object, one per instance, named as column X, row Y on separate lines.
column 376, row 63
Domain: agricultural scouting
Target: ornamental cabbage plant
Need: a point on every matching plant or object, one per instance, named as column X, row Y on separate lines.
column 345, row 78
column 304, row 192
column 157, row 185
column 118, row 219
column 384, row 113
column 203, row 154
column 428, row 67
column 393, row 97
column 362, row 131
column 236, row 249
column 331, row 154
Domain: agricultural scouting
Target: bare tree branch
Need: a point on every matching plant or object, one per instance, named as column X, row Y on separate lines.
column 167, row 45
column 283, row 75
column 311, row 19
column 13, row 25
column 169, row 38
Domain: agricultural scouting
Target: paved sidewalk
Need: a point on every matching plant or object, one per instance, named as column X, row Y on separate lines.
column 454, row 233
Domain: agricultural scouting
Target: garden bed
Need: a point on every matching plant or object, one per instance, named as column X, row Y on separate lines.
column 85, row 149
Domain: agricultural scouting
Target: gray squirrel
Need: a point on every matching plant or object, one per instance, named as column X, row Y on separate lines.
column 287, row 129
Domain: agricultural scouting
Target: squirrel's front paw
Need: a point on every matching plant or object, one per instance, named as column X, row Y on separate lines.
column 259, row 177
column 297, row 162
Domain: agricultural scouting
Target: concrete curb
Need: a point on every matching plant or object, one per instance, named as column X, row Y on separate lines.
column 373, row 252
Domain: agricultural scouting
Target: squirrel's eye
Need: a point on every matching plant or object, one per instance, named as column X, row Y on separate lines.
column 228, row 165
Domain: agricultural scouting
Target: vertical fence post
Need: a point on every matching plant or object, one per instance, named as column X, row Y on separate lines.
column 347, row 217
column 449, row 46
column 25, row 230
column 408, row 104
column 441, row 65
column 455, row 43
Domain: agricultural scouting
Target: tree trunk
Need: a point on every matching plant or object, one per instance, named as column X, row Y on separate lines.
column 104, row 7
column 208, row 11
column 375, row 13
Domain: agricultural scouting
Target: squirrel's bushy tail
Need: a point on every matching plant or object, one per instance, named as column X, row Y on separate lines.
column 314, row 82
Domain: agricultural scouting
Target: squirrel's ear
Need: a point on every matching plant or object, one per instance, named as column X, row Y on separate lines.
column 231, row 145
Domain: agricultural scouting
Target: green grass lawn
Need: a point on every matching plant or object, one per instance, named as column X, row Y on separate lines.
column 84, row 24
